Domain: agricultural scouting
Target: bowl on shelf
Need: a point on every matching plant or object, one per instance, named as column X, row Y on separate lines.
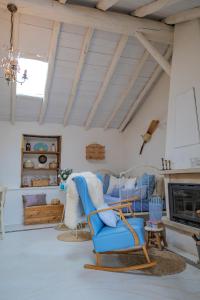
column 28, row 164
column 41, row 147
column 53, row 165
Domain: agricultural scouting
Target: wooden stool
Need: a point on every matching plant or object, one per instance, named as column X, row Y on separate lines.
column 156, row 237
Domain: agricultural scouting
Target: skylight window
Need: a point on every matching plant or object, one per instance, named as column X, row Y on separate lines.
column 37, row 75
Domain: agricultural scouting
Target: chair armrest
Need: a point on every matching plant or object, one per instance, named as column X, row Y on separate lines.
column 119, row 208
column 132, row 199
column 116, row 207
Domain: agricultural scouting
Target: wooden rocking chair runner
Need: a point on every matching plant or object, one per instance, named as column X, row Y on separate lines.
column 127, row 237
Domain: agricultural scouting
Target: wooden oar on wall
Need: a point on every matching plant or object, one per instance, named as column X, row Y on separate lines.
column 147, row 136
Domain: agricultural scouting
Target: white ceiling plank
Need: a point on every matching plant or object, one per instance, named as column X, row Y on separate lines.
column 109, row 74
column 106, row 4
column 128, row 88
column 84, row 50
column 153, row 7
column 51, row 68
column 152, row 80
column 94, row 18
column 154, row 52
column 183, row 16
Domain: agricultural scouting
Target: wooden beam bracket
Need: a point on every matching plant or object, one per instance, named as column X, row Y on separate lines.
column 106, row 4
column 152, row 80
column 154, row 52
column 184, row 16
column 153, row 7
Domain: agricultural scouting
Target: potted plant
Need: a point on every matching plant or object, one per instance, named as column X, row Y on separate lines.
column 63, row 175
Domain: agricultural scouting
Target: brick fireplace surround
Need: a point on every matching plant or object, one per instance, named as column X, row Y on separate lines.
column 179, row 236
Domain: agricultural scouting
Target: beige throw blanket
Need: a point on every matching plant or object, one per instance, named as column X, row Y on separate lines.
column 73, row 208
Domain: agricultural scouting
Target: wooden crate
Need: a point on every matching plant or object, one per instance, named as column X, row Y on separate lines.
column 95, row 151
column 43, row 214
column 40, row 182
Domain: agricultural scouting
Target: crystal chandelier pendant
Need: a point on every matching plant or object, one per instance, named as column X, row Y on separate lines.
column 10, row 63
column 10, row 66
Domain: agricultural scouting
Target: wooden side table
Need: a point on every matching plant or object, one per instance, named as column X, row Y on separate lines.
column 156, row 237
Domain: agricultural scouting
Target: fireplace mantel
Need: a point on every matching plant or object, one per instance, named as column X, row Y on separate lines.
column 181, row 171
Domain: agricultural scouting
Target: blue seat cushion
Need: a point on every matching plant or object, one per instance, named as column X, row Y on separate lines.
column 120, row 237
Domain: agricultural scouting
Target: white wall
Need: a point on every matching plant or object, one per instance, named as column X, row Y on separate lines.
column 154, row 107
column 185, row 75
column 74, row 141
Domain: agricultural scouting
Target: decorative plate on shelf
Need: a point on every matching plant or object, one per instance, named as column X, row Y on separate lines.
column 41, row 147
column 42, row 159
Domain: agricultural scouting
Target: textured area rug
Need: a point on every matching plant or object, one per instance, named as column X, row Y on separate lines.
column 61, row 227
column 72, row 236
column 168, row 263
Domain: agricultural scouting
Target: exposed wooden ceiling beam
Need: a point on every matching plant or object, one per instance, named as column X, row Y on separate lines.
column 127, row 90
column 13, row 84
column 183, row 16
column 84, row 50
column 153, row 7
column 106, row 4
column 154, row 52
column 62, row 1
column 94, row 18
column 152, row 80
column 51, row 66
column 115, row 59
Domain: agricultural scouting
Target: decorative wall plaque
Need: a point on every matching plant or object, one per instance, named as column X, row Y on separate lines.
column 95, row 151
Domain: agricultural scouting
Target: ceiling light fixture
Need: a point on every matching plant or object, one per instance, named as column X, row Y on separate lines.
column 10, row 64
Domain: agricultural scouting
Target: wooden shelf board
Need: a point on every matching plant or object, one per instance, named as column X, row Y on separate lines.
column 39, row 187
column 41, row 152
column 41, row 169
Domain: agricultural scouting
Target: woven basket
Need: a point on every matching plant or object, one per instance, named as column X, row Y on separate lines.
column 40, row 182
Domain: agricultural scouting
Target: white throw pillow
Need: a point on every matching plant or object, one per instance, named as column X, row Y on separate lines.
column 113, row 183
column 108, row 217
column 130, row 183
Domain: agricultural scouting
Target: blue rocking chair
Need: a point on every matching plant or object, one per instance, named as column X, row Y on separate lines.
column 126, row 238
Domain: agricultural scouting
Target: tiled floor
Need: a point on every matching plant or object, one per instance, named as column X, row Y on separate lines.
column 34, row 265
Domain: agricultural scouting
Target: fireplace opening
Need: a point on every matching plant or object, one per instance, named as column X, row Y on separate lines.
column 184, row 203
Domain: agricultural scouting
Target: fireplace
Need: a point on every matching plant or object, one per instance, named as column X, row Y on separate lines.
column 184, row 202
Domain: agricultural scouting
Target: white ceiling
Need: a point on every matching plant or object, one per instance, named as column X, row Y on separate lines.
column 34, row 37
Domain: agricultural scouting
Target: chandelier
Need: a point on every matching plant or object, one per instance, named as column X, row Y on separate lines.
column 10, row 64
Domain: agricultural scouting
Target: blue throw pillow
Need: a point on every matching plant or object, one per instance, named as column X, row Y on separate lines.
column 108, row 217
column 141, row 192
column 147, row 180
column 106, row 182
column 115, row 192
column 105, row 178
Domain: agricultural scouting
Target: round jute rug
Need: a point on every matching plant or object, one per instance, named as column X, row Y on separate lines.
column 168, row 263
column 71, row 236
column 61, row 227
